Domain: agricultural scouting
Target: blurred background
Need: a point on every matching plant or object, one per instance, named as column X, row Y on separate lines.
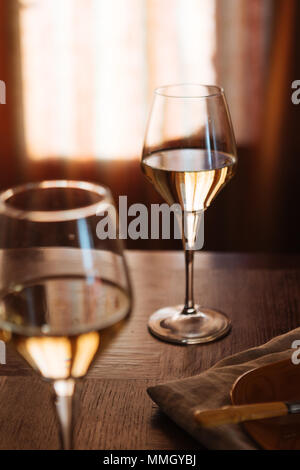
column 80, row 75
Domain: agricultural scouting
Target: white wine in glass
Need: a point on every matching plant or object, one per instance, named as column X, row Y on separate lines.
column 189, row 155
column 189, row 177
column 64, row 294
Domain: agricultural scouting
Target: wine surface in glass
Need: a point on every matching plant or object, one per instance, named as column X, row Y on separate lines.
column 46, row 326
column 190, row 177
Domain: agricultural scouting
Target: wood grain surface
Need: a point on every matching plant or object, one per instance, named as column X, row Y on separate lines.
column 260, row 293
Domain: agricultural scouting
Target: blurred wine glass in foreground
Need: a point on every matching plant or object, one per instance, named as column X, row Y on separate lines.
column 64, row 292
column 189, row 155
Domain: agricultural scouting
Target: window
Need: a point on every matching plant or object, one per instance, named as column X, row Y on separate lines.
column 87, row 90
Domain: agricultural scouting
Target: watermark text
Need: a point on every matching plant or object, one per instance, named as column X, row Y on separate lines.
column 162, row 221
column 296, row 94
column 2, row 352
column 2, row 92
column 296, row 354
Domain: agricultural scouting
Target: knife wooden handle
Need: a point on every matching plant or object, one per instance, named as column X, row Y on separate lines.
column 239, row 414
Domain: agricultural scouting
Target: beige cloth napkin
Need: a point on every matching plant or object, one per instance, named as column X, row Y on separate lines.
column 211, row 389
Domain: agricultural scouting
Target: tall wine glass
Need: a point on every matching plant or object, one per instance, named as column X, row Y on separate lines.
column 64, row 290
column 189, row 155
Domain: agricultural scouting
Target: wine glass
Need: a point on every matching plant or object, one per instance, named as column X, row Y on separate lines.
column 189, row 155
column 65, row 290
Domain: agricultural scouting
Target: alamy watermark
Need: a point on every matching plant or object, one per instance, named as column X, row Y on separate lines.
column 2, row 92
column 2, row 101
column 296, row 93
column 2, row 352
column 143, row 225
column 296, row 353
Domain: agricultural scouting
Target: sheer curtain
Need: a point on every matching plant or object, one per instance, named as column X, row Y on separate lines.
column 89, row 67
column 79, row 77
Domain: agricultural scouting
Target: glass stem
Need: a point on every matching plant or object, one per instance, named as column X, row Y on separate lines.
column 190, row 225
column 64, row 391
column 189, row 307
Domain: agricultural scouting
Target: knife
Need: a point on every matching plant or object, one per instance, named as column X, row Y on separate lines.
column 241, row 413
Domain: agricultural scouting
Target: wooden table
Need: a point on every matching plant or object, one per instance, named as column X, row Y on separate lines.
column 259, row 292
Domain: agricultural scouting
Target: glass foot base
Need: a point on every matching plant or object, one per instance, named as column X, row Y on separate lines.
column 204, row 326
